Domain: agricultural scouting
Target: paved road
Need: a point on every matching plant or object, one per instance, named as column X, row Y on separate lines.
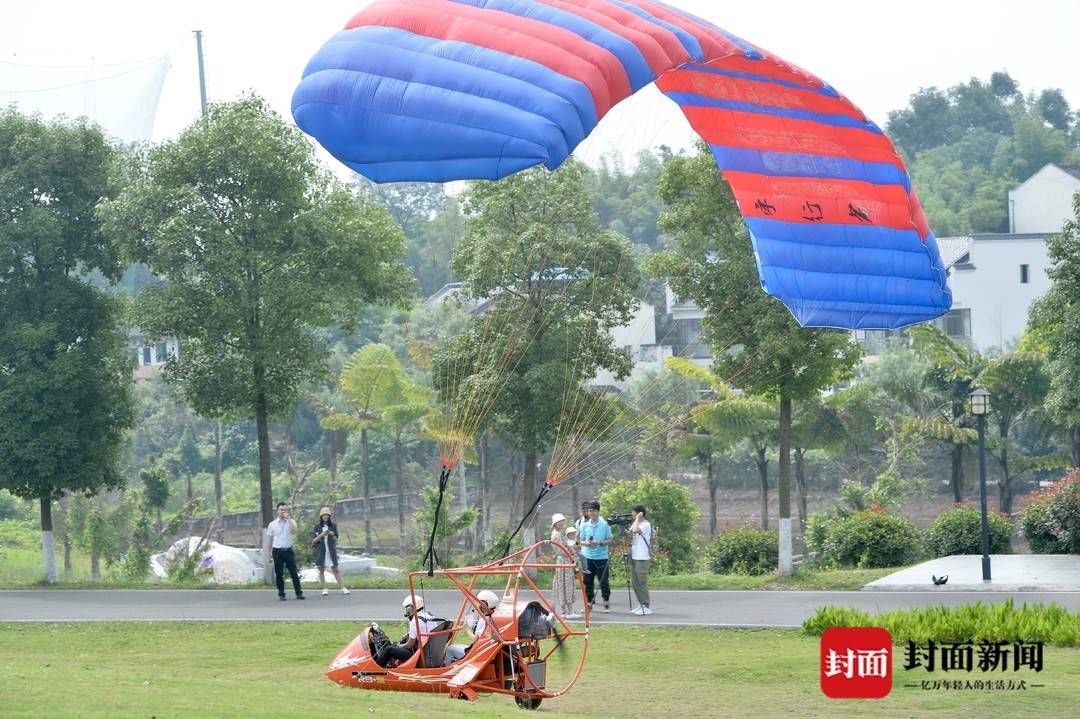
column 702, row 608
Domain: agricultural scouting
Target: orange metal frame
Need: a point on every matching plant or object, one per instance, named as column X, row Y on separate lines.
column 497, row 662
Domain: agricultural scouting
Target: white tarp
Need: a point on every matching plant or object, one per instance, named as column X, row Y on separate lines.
column 349, row 565
column 225, row 564
column 121, row 97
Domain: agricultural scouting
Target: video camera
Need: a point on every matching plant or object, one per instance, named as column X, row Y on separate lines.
column 620, row 520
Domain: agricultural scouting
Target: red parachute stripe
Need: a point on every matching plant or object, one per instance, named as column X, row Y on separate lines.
column 671, row 44
column 759, row 92
column 632, row 28
column 840, row 202
column 558, row 49
column 773, row 134
column 917, row 215
column 771, row 66
column 713, row 44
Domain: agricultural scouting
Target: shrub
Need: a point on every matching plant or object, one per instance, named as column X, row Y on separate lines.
column 965, row 623
column 1051, row 518
column 11, row 507
column 15, row 534
column 959, row 531
column 871, row 539
column 671, row 511
column 747, row 550
column 817, row 531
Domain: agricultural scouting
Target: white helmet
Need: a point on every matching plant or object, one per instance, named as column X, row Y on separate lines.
column 411, row 604
column 488, row 597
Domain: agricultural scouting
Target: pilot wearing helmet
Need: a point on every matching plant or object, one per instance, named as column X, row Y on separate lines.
column 424, row 622
column 476, row 623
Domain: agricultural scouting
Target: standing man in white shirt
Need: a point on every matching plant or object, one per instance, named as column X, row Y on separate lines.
column 282, row 532
column 640, row 559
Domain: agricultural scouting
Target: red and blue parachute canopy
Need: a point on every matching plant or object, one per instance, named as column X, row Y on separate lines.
column 439, row 90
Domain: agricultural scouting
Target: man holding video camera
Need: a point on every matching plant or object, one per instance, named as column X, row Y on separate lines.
column 640, row 558
column 595, row 537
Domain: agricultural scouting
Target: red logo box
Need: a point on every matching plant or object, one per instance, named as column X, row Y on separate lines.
column 856, row 662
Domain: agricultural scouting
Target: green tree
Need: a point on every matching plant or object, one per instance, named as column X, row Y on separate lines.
column 188, row 459
column 1055, row 319
column 256, row 245
column 397, row 420
column 156, row 492
column 671, row 512
column 431, row 221
column 98, row 535
column 65, row 371
column 448, row 526
column 953, row 374
column 734, row 418
column 373, row 384
column 816, row 425
column 556, row 282
column 755, row 340
column 856, row 409
column 1018, row 385
column 627, row 202
column 697, row 444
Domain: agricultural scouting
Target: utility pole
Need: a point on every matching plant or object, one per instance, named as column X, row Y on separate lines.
column 202, row 70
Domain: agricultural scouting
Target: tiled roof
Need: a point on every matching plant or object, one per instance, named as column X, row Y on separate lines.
column 953, row 248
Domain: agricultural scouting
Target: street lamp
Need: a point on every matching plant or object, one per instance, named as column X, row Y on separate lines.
column 980, row 407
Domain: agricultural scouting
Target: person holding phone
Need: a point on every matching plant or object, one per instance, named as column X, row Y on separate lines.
column 324, row 542
column 282, row 531
column 640, row 559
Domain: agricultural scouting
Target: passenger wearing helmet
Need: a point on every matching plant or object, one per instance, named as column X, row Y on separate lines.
column 476, row 623
column 420, row 623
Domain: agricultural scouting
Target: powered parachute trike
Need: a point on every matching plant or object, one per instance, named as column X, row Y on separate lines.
column 526, row 650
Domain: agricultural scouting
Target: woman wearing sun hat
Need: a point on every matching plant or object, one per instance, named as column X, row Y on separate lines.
column 563, row 585
column 324, row 542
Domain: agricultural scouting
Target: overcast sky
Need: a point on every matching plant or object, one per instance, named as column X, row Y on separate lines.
column 876, row 53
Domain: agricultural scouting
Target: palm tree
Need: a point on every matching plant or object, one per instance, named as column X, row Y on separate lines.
column 371, row 382
column 701, row 447
column 733, row 417
column 1018, row 383
column 396, row 420
column 954, row 374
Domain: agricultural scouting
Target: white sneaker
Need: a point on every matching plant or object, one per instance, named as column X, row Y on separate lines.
column 607, row 608
column 344, row 590
column 325, row 592
column 638, row 611
column 647, row 611
column 571, row 615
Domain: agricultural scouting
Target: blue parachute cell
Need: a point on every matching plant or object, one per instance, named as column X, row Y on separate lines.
column 440, row 90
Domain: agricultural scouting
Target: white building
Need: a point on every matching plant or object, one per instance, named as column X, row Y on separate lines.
column 684, row 337
column 638, row 338
column 1044, row 201
column 994, row 281
column 151, row 354
column 995, row 277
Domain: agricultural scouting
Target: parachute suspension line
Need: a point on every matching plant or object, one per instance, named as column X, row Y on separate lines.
column 543, row 491
column 432, row 556
column 581, row 409
column 469, row 402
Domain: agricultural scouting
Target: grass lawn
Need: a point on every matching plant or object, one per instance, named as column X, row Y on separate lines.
column 275, row 670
